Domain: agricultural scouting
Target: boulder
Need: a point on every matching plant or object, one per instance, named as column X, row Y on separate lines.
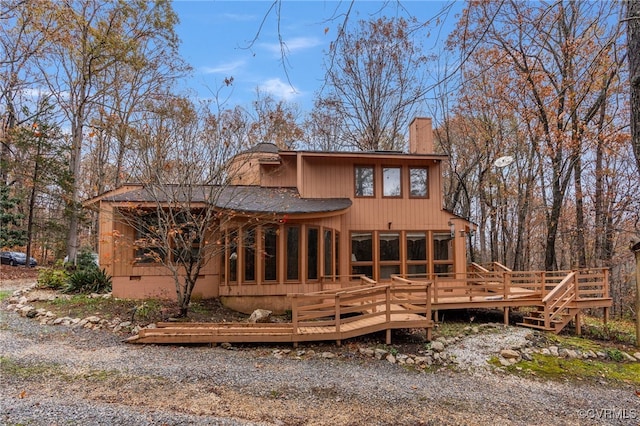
column 380, row 353
column 509, row 354
column 260, row 315
column 637, row 356
column 391, row 358
column 367, row 351
column 437, row 346
column 328, row 355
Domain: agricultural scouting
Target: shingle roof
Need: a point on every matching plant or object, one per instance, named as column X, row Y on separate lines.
column 249, row 199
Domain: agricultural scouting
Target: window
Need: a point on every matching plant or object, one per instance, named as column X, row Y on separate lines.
column 391, row 182
column 186, row 245
column 362, row 253
column 416, row 253
column 364, row 181
column 293, row 253
column 270, row 253
column 249, row 243
column 442, row 253
column 328, row 249
column 312, row 253
column 389, row 255
column 418, row 183
column 232, row 254
column 336, row 254
column 148, row 242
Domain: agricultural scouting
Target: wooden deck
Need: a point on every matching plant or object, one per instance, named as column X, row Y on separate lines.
column 557, row 298
column 322, row 316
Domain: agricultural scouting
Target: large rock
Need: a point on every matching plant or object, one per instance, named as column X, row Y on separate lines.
column 437, row 346
column 260, row 315
column 509, row 354
column 380, row 353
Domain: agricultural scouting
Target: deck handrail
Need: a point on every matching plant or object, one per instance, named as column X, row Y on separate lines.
column 500, row 267
column 396, row 299
column 561, row 287
column 559, row 298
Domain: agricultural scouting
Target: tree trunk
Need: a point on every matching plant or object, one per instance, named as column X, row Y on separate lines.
column 32, row 199
column 633, row 46
column 72, row 205
column 580, row 245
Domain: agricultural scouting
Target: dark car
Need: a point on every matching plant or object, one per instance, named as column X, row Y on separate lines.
column 14, row 258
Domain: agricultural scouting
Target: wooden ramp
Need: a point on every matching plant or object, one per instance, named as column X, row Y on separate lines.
column 557, row 297
column 321, row 316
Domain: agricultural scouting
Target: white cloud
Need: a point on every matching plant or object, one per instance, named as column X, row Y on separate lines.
column 223, row 68
column 279, row 89
column 293, row 45
column 239, row 17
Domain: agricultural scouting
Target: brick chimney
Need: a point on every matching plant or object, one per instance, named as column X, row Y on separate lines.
column 420, row 136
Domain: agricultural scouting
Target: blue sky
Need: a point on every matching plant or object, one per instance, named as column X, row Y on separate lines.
column 216, row 41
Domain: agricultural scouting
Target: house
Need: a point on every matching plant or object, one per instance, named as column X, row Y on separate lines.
column 304, row 221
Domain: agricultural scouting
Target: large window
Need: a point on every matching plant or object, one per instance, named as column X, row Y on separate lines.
column 364, row 186
column 391, row 182
column 418, row 182
column 389, row 250
column 312, row 253
column 337, row 253
column 232, row 254
column 362, row 253
column 416, row 253
column 293, row 253
column 328, row 251
column 249, row 242
column 442, row 253
column 270, row 253
column 149, row 247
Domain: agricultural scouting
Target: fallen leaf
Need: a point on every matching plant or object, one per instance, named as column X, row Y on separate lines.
column 23, row 394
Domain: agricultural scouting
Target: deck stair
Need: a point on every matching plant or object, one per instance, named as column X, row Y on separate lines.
column 558, row 308
column 537, row 319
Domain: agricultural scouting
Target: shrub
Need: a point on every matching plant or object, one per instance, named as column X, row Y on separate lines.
column 91, row 280
column 53, row 278
column 614, row 354
column 86, row 260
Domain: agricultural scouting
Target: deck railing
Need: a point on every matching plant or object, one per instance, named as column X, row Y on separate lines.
column 339, row 308
column 506, row 284
column 560, row 298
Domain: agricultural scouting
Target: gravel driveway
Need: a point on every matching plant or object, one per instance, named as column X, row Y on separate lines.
column 54, row 375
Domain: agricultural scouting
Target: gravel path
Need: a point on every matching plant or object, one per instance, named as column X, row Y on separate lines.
column 60, row 375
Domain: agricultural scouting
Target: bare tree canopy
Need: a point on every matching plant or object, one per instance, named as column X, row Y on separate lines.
column 375, row 81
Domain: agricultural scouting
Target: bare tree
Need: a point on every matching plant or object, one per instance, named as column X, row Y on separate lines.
column 187, row 201
column 633, row 43
column 375, row 79
column 559, row 64
column 89, row 38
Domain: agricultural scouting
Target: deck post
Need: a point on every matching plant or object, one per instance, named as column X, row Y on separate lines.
column 506, row 315
column 506, row 282
column 337, row 310
column 578, row 321
column 294, row 313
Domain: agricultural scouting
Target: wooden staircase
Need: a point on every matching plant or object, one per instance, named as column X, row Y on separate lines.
column 538, row 319
column 558, row 308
